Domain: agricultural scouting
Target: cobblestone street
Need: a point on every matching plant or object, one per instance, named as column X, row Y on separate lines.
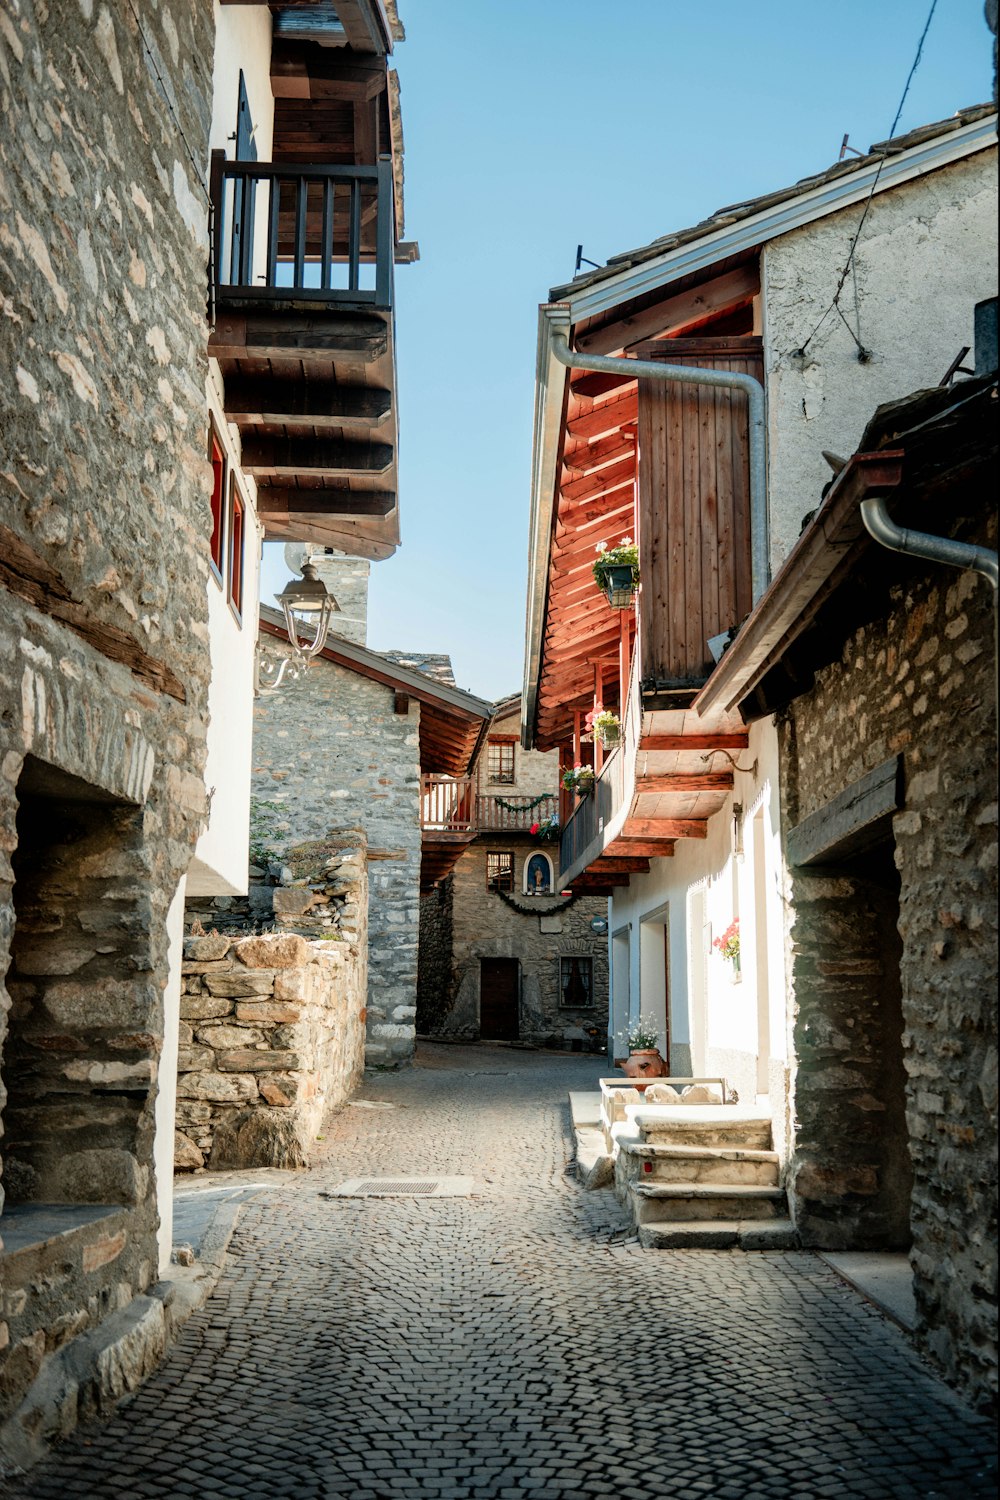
column 514, row 1342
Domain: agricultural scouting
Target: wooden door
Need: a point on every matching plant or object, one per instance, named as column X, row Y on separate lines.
column 499, row 999
column 694, row 507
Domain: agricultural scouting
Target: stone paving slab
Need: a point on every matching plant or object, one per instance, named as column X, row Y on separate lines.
column 516, row 1342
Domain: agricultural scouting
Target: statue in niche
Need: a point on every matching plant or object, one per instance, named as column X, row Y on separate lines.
column 539, row 881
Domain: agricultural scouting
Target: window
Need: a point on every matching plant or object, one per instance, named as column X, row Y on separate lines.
column 237, row 514
column 576, row 982
column 500, row 870
column 500, row 761
column 217, row 458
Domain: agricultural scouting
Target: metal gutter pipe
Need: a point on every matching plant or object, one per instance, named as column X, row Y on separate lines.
column 940, row 549
column 649, row 369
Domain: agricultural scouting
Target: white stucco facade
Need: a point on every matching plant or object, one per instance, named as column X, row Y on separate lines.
column 664, row 925
column 242, row 43
column 925, row 257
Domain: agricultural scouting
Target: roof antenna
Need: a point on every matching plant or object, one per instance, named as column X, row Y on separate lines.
column 845, row 147
column 581, row 260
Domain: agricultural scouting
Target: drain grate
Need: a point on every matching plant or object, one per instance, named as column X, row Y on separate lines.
column 370, row 1189
column 404, row 1187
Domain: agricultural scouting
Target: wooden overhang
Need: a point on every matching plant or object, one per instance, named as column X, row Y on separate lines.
column 302, row 289
column 695, row 286
column 930, row 455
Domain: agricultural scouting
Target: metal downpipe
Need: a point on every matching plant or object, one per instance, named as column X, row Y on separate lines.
column 648, row 369
column 940, row 549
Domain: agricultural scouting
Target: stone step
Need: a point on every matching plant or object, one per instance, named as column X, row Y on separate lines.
column 653, row 1162
column 721, row 1234
column 701, row 1125
column 659, row 1201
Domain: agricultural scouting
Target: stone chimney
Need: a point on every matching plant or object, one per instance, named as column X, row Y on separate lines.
column 346, row 578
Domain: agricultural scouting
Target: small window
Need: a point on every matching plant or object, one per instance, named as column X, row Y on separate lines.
column 576, row 982
column 237, row 515
column 500, row 761
column 217, row 458
column 500, row 870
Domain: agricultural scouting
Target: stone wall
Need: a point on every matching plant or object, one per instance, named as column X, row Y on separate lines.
column 272, row 1036
column 535, row 771
column 334, row 748
column 103, row 655
column 434, row 966
column 537, row 931
column 917, row 681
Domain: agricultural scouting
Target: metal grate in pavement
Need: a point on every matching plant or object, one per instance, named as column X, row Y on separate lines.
column 404, row 1187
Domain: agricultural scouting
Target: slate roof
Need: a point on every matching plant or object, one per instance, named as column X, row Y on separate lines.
column 734, row 212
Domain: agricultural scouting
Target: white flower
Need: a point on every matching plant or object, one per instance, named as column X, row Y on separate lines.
column 626, row 541
column 601, row 547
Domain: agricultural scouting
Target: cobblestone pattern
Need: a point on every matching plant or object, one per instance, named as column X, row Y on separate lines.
column 335, row 751
column 902, row 685
column 271, row 1034
column 103, row 649
column 516, row 1342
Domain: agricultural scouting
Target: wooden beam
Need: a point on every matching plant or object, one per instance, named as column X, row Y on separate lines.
column 603, row 482
column 587, row 458
column 297, row 336
column 684, row 310
column 320, row 73
column 320, row 403
column 710, row 781
column 651, row 848
column 852, row 821
column 628, row 865
column 319, row 456
column 273, row 503
column 605, row 419
column 598, row 384
column 737, row 741
column 667, row 828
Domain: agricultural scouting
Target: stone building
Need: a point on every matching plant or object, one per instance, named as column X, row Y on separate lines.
column 505, row 953
column 135, row 485
column 350, row 746
column 882, row 670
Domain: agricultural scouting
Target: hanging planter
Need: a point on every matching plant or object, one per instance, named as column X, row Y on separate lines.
column 616, row 572
column 607, row 727
column 580, row 779
column 729, row 946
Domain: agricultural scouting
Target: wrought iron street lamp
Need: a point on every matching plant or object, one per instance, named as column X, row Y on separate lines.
column 307, row 604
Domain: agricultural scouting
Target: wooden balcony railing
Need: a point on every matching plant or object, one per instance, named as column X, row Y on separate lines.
column 454, row 806
column 594, row 811
column 322, row 234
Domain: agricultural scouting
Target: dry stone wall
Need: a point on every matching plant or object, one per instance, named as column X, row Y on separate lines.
column 917, row 682
column 271, row 1037
column 336, row 749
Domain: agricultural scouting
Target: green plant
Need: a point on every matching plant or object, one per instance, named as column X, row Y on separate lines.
column 606, row 722
column 578, row 779
column 265, row 830
column 625, row 555
column 643, row 1035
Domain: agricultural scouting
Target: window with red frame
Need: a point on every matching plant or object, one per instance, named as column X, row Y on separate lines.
column 217, row 458
column 237, row 516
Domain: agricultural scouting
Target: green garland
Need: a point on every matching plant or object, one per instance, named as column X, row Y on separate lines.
column 518, row 807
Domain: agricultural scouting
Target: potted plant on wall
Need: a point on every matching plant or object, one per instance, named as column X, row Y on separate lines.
column 729, row 946
column 607, row 726
column 616, row 572
column 644, row 1060
column 579, row 779
column 547, row 830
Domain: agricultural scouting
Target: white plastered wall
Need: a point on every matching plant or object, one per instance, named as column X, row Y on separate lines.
column 714, row 1022
column 926, row 256
column 242, row 41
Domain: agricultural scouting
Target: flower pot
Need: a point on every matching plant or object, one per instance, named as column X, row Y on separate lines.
column 645, row 1063
column 619, row 586
column 611, row 737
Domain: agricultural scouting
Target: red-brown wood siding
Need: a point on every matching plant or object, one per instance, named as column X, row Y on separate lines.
column 694, row 507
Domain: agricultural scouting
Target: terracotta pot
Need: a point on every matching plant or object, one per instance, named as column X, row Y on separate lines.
column 646, row 1063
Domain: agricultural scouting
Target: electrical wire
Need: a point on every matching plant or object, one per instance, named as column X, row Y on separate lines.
column 199, row 171
column 834, row 306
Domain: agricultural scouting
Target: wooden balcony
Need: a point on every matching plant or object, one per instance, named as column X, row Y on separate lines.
column 456, row 807
column 302, row 307
column 670, row 774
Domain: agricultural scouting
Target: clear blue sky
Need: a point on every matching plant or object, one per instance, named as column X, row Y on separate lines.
column 534, row 125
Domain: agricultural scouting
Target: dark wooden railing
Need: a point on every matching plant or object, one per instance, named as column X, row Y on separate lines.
column 453, row 806
column 321, row 234
column 593, row 812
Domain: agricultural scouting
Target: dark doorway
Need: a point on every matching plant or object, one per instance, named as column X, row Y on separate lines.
column 499, row 999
